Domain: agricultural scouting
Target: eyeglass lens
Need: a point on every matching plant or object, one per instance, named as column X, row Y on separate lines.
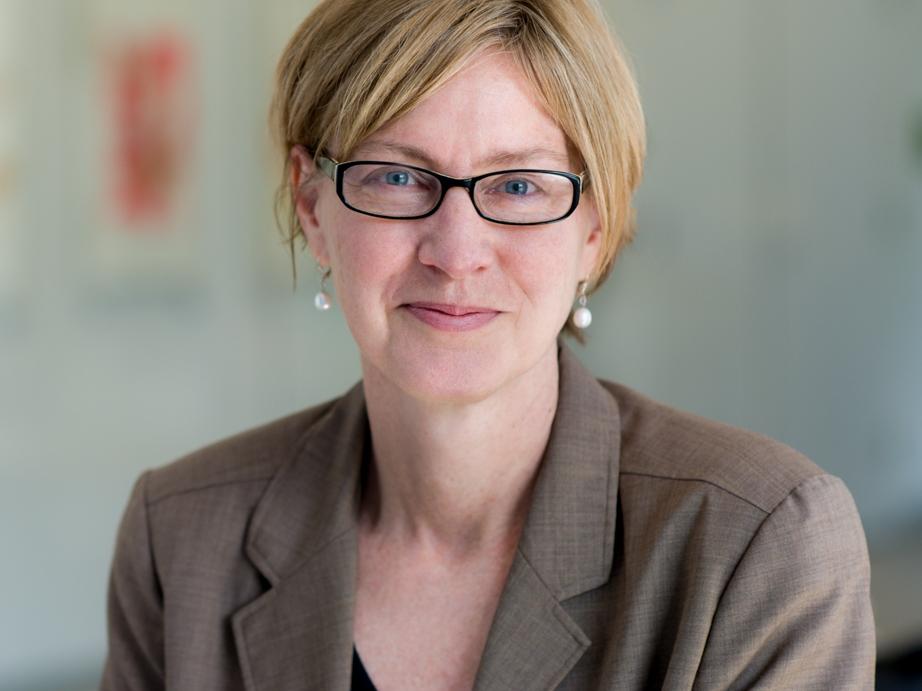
column 511, row 197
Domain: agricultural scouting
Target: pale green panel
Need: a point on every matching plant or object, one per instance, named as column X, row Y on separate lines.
column 774, row 281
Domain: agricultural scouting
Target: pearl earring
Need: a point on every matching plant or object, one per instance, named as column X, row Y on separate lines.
column 582, row 317
column 322, row 300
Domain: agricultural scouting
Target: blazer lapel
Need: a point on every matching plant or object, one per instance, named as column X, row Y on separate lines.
column 567, row 543
column 533, row 643
column 298, row 635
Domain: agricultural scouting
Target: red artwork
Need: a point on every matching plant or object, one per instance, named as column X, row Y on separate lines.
column 151, row 94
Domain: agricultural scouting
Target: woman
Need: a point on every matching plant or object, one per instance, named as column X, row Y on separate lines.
column 479, row 511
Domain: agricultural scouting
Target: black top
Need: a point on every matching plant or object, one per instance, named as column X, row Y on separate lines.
column 360, row 679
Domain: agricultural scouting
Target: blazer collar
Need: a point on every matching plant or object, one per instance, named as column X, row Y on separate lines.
column 303, row 539
column 314, row 498
column 569, row 534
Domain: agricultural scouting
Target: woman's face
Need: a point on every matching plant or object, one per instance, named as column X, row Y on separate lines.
column 452, row 308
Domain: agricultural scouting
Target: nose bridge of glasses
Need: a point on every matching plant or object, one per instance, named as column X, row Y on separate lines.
column 447, row 182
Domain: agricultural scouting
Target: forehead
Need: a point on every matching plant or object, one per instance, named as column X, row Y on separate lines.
column 488, row 114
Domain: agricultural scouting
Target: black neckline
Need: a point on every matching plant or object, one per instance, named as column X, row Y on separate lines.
column 360, row 679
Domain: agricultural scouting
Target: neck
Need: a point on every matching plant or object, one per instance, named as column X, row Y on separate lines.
column 456, row 479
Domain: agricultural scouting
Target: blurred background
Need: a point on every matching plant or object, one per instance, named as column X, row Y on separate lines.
column 146, row 303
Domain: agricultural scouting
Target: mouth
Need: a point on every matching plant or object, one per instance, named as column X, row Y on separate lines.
column 452, row 310
column 449, row 317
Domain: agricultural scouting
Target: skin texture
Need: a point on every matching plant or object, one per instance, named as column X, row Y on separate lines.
column 459, row 418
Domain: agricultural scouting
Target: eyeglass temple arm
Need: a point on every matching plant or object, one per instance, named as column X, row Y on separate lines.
column 328, row 166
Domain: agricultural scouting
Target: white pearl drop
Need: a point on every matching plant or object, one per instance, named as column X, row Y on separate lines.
column 322, row 301
column 582, row 317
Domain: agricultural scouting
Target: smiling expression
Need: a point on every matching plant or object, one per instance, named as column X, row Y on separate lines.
column 453, row 307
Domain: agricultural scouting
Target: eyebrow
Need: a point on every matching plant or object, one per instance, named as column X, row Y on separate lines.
column 499, row 158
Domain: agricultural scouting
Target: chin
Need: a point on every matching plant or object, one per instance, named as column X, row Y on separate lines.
column 453, row 376
column 442, row 368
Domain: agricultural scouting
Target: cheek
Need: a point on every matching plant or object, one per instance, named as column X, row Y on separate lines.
column 545, row 266
column 367, row 260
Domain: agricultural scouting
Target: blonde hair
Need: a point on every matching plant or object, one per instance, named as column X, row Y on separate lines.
column 353, row 66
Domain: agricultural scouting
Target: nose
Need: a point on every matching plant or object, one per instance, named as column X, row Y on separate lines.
column 456, row 240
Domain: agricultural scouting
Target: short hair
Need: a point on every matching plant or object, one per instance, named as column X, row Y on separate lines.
column 353, row 66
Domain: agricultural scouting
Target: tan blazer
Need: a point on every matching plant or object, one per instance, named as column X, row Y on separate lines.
column 662, row 550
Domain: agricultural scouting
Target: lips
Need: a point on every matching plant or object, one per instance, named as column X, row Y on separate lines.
column 448, row 317
column 453, row 310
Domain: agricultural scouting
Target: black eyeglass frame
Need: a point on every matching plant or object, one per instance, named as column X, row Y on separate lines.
column 335, row 170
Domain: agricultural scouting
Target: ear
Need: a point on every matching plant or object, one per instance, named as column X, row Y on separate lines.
column 591, row 246
column 306, row 197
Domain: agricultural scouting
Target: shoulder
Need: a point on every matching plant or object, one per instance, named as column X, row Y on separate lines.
column 717, row 484
column 250, row 456
column 749, row 535
column 668, row 445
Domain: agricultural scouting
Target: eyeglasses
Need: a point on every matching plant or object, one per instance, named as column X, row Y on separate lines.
column 520, row 197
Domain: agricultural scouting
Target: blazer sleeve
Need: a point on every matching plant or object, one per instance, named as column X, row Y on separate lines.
column 135, row 657
column 796, row 614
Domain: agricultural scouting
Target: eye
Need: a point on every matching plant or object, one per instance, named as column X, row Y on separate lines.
column 397, row 177
column 516, row 187
column 393, row 178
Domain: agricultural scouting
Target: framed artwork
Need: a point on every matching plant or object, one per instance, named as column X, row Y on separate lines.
column 141, row 193
column 12, row 258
